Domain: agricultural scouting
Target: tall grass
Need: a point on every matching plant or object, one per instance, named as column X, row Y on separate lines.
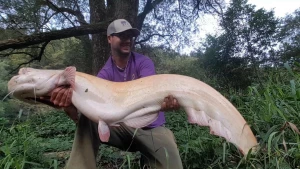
column 273, row 111
column 23, row 144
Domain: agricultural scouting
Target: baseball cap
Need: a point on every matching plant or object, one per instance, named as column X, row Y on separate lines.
column 121, row 25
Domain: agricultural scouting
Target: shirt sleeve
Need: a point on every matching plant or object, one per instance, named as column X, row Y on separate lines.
column 147, row 68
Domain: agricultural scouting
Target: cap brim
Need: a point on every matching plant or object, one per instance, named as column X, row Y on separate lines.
column 135, row 31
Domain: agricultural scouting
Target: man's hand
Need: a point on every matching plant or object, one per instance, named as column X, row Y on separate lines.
column 61, row 97
column 170, row 103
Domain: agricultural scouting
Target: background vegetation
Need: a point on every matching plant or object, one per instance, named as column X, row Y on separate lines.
column 253, row 61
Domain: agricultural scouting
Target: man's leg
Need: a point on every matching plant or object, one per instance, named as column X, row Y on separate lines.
column 158, row 148
column 86, row 143
column 85, row 146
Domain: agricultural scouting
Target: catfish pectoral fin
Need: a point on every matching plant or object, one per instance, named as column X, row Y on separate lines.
column 103, row 130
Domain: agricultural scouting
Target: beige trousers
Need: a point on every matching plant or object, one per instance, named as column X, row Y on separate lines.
column 157, row 145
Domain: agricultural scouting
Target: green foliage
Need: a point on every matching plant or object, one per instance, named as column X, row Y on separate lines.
column 198, row 149
column 171, row 62
column 19, row 149
column 3, row 78
column 78, row 53
column 230, row 72
column 234, row 56
column 250, row 33
column 62, row 53
column 4, row 105
column 7, row 34
column 289, row 35
column 57, row 55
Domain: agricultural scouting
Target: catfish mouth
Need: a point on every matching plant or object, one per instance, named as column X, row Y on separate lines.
column 44, row 100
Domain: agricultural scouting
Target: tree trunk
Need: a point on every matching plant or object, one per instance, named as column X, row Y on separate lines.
column 126, row 9
column 85, row 61
column 99, row 42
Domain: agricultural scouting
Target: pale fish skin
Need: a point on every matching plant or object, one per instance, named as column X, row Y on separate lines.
column 136, row 103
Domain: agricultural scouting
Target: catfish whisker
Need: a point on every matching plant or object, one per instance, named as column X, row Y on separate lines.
column 34, row 94
column 9, row 94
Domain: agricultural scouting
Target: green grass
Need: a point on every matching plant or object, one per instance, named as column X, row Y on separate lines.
column 25, row 142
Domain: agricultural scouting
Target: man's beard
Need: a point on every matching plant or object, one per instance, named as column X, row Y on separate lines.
column 123, row 53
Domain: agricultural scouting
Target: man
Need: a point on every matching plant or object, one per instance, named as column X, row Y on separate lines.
column 155, row 142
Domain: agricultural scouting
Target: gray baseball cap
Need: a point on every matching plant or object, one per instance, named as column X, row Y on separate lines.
column 121, row 25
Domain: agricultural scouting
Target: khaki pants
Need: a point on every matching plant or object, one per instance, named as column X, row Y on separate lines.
column 157, row 146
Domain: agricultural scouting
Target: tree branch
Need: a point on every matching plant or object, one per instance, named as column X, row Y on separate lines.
column 55, row 8
column 39, row 57
column 42, row 50
column 148, row 8
column 180, row 13
column 150, row 36
column 13, row 22
column 25, row 41
column 76, row 13
column 47, row 18
column 212, row 6
column 220, row 6
column 16, row 53
column 205, row 4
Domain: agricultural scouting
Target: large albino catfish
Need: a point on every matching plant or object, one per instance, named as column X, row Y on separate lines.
column 137, row 102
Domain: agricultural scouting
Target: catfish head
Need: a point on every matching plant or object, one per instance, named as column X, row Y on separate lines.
column 30, row 85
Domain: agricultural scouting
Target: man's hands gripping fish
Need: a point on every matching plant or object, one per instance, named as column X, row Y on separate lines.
column 61, row 98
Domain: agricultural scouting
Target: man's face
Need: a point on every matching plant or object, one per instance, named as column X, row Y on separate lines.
column 121, row 42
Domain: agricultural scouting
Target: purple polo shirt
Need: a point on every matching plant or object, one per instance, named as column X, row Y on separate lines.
column 138, row 66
